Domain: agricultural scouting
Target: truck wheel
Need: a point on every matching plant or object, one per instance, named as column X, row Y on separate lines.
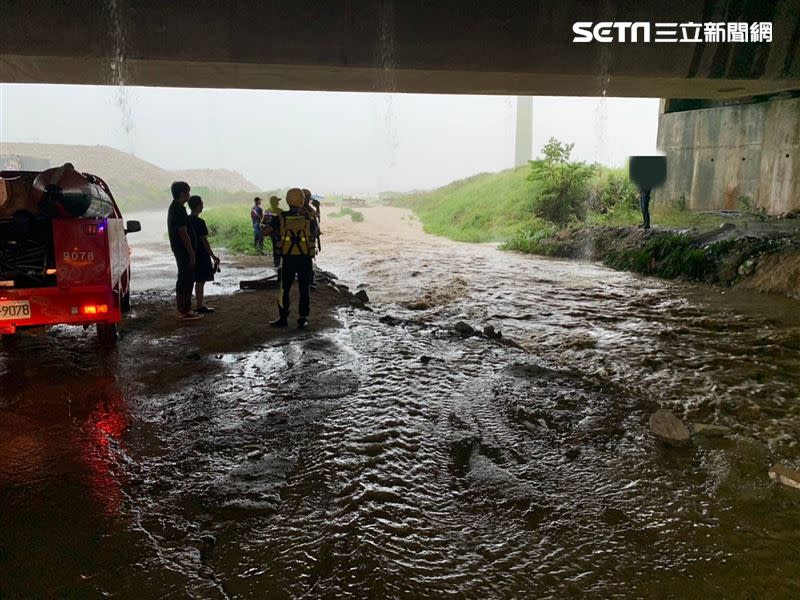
column 125, row 303
column 107, row 333
column 10, row 340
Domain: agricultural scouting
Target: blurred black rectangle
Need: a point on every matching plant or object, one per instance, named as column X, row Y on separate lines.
column 648, row 172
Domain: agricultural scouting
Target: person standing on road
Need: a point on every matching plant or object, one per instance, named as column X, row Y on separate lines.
column 274, row 211
column 257, row 217
column 183, row 248
column 644, row 203
column 313, row 212
column 204, row 255
column 296, row 240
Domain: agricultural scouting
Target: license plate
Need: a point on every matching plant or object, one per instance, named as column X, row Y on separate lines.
column 14, row 310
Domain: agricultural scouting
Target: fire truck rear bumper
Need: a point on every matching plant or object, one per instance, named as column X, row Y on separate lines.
column 54, row 306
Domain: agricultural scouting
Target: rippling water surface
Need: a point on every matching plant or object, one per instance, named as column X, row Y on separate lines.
column 396, row 459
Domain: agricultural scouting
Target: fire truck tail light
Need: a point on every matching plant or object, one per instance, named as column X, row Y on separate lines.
column 94, row 309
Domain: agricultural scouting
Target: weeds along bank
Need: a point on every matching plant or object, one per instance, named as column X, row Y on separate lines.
column 745, row 253
column 559, row 207
column 524, row 205
column 230, row 227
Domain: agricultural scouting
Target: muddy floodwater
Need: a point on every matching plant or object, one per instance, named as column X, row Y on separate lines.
column 384, row 455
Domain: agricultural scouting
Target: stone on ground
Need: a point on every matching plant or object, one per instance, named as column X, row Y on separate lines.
column 785, row 475
column 709, row 430
column 669, row 429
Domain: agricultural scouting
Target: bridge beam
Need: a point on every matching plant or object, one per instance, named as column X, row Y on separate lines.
column 448, row 46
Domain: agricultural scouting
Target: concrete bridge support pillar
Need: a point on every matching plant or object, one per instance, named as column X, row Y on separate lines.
column 523, row 143
column 721, row 152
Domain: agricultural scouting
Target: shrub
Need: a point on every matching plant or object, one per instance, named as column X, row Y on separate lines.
column 532, row 240
column 231, row 228
column 750, row 208
column 564, row 184
column 611, row 191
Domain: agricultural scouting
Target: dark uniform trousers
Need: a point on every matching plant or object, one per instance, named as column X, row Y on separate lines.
column 185, row 283
column 302, row 268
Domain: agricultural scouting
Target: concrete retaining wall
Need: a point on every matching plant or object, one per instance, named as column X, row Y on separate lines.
column 717, row 155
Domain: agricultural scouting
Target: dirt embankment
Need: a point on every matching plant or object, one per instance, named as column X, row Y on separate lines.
column 760, row 256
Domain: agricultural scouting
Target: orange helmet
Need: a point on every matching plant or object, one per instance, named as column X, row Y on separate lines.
column 295, row 197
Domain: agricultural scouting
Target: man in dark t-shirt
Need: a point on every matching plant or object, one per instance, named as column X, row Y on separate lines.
column 183, row 247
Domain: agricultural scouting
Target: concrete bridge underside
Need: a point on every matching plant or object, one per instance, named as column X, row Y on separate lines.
column 447, row 46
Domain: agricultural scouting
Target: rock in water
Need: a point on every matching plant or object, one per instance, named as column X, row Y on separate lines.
column 669, row 429
column 711, row 430
column 785, row 475
column 464, row 329
column 362, row 296
column 490, row 332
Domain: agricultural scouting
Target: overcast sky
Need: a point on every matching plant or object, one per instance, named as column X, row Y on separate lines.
column 331, row 142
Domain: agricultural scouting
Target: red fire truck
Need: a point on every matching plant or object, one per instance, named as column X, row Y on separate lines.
column 64, row 256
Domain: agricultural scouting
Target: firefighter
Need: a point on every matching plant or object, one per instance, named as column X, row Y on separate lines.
column 297, row 234
column 311, row 208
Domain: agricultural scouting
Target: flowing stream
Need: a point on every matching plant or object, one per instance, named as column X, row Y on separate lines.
column 389, row 457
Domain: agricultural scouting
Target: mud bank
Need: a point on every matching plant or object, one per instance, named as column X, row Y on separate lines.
column 763, row 257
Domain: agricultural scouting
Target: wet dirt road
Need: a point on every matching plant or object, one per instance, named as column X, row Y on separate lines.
column 384, row 455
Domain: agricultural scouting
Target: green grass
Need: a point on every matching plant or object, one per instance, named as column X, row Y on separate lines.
column 230, row 227
column 355, row 216
column 484, row 208
column 500, row 207
column 661, row 215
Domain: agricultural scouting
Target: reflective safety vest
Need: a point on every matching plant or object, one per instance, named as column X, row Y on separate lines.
column 296, row 235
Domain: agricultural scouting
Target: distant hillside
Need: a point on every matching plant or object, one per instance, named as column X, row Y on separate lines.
column 135, row 182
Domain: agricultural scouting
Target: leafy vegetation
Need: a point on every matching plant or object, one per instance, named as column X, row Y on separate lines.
column 564, row 185
column 230, row 227
column 528, row 207
column 749, row 207
column 667, row 256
